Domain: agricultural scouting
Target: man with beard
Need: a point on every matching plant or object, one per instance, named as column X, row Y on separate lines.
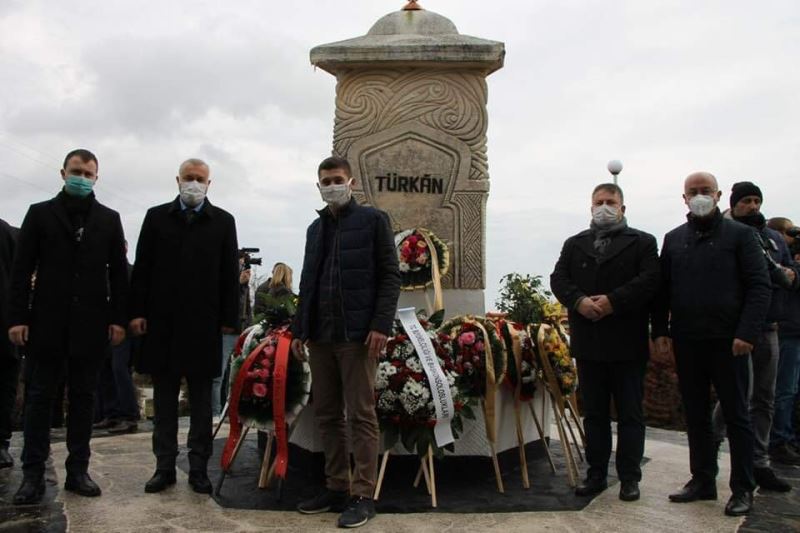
column 746, row 200
column 713, row 301
column 77, row 249
column 184, row 294
column 606, row 277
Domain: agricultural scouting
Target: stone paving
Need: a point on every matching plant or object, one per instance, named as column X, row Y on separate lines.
column 122, row 464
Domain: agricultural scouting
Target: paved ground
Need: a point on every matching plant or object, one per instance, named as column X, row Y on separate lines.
column 122, row 464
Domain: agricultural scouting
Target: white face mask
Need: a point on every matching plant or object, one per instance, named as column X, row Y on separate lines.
column 605, row 215
column 702, row 205
column 192, row 192
column 336, row 195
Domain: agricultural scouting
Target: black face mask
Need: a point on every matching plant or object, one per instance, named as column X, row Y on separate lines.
column 755, row 220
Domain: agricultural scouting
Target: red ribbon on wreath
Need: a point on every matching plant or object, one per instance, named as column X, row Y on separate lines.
column 233, row 408
column 279, row 375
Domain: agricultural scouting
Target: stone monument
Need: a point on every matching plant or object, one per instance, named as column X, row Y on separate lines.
column 411, row 119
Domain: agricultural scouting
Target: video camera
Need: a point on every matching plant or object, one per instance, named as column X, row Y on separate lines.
column 249, row 260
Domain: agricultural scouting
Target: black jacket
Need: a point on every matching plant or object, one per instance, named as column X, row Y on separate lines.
column 628, row 273
column 714, row 283
column 81, row 285
column 186, row 284
column 776, row 247
column 8, row 236
column 368, row 272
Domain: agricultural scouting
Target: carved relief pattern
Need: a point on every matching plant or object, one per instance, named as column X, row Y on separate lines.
column 452, row 102
column 471, row 253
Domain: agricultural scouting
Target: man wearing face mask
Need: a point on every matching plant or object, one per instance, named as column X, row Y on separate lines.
column 348, row 298
column 745, row 201
column 77, row 249
column 181, row 319
column 607, row 277
column 712, row 304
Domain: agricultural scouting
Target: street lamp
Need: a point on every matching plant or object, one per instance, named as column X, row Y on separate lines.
column 615, row 167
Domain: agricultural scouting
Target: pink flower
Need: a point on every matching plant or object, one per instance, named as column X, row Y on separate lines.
column 269, row 350
column 479, row 346
column 422, row 259
column 476, row 359
column 466, row 338
column 259, row 389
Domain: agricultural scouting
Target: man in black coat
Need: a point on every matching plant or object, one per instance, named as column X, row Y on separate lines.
column 184, row 293
column 348, row 298
column 76, row 248
column 606, row 277
column 9, row 363
column 713, row 303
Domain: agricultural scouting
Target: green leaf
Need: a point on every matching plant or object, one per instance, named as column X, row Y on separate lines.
column 437, row 318
column 409, row 438
column 457, row 425
column 467, row 412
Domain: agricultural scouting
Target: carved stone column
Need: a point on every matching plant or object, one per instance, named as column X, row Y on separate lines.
column 411, row 119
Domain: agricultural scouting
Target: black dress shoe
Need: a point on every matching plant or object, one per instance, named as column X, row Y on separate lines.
column 6, row 461
column 740, row 504
column 629, row 491
column 693, row 491
column 160, row 481
column 104, row 423
column 82, row 484
column 767, row 480
column 592, row 486
column 30, row 492
column 199, row 482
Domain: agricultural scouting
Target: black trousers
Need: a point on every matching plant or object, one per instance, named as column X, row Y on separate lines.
column 9, row 372
column 43, row 386
column 600, row 381
column 699, row 365
column 116, row 394
column 166, row 392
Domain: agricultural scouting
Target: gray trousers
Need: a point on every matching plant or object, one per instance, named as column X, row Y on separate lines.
column 763, row 373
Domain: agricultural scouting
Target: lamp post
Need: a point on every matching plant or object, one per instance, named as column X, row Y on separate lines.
column 615, row 167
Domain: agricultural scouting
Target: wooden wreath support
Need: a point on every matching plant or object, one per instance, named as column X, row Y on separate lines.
column 560, row 405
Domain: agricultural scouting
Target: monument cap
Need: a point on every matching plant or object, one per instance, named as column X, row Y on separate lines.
column 411, row 36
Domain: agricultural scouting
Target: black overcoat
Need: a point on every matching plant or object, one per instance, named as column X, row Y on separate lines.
column 185, row 282
column 8, row 236
column 628, row 274
column 81, row 284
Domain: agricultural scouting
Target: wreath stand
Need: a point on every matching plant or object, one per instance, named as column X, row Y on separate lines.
column 561, row 405
column 426, row 470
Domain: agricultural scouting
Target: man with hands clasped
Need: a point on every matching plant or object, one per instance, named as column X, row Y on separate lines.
column 182, row 318
column 76, row 248
column 712, row 304
column 348, row 298
column 607, row 277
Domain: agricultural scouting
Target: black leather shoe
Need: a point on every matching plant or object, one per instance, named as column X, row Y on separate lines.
column 629, row 491
column 740, row 504
column 104, row 423
column 82, row 484
column 592, row 486
column 30, row 492
column 6, row 461
column 160, row 481
column 693, row 491
column 199, row 482
column 767, row 480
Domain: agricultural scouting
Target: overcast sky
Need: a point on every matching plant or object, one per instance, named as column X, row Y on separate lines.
column 667, row 86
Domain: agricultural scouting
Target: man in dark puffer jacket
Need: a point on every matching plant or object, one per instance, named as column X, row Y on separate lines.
column 348, row 297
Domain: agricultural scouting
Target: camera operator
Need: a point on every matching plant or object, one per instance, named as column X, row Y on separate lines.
column 782, row 439
column 745, row 201
column 219, row 389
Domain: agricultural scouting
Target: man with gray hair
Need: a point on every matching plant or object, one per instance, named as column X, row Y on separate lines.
column 184, row 293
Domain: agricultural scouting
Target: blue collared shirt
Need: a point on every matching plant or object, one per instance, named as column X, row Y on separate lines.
column 196, row 209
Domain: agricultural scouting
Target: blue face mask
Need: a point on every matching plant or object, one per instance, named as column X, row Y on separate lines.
column 78, row 186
